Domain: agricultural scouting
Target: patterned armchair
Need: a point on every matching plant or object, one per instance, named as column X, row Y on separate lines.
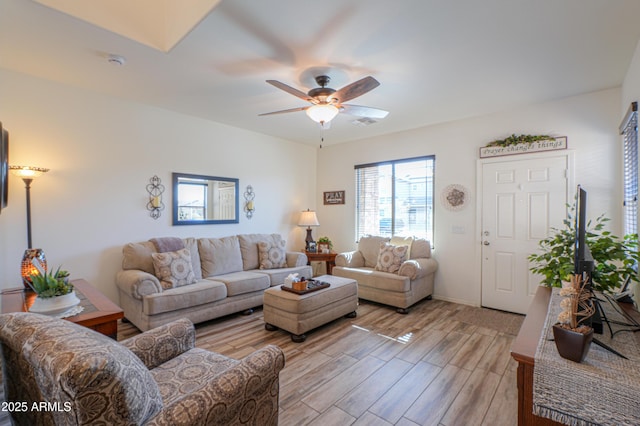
column 57, row 372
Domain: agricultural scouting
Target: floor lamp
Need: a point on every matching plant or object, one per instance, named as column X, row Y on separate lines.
column 28, row 174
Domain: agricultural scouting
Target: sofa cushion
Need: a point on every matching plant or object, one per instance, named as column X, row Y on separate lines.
column 198, row 293
column 277, row 276
column 272, row 255
column 173, row 268
column 219, row 256
column 138, row 256
column 420, row 249
column 391, row 257
column 369, row 277
column 189, row 372
column 249, row 248
column 397, row 240
column 370, row 248
column 243, row 282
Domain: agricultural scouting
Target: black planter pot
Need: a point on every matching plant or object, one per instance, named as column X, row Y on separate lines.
column 572, row 345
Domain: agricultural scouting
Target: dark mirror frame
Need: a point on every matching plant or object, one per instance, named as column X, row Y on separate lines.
column 175, row 180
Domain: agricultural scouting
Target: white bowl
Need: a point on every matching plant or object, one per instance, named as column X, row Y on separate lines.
column 54, row 305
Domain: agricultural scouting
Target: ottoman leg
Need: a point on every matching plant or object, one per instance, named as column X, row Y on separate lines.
column 352, row 314
column 298, row 338
column 403, row 311
column 270, row 327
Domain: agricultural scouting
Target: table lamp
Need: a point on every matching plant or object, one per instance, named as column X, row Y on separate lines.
column 308, row 218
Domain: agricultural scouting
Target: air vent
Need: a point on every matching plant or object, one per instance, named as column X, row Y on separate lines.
column 364, row 121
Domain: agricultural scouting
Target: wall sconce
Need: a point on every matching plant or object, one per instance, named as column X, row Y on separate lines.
column 249, row 207
column 28, row 174
column 155, row 190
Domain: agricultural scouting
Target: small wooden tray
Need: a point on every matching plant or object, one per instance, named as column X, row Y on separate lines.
column 311, row 287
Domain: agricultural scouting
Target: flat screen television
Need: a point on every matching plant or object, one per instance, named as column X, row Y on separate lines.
column 583, row 261
column 4, row 167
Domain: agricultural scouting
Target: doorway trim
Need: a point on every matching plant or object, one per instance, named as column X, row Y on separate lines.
column 480, row 162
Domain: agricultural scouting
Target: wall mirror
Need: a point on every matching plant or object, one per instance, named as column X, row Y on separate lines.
column 199, row 200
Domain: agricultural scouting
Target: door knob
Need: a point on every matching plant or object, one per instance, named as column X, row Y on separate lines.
column 486, row 243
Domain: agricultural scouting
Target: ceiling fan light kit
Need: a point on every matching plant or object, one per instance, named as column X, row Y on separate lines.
column 322, row 113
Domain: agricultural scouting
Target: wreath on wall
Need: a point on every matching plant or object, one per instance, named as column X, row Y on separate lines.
column 455, row 197
column 517, row 139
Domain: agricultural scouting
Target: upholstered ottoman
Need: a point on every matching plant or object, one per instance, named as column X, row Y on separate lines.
column 299, row 313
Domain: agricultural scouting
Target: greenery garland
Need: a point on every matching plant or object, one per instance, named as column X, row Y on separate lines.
column 516, row 139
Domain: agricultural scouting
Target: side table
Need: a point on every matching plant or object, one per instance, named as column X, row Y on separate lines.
column 99, row 314
column 328, row 258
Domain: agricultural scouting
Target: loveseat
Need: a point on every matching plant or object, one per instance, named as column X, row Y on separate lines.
column 58, row 372
column 394, row 271
column 164, row 279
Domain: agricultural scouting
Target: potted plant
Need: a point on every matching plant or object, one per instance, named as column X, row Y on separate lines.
column 55, row 293
column 572, row 337
column 615, row 258
column 324, row 243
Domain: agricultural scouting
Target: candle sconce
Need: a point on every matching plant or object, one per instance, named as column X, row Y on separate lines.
column 155, row 190
column 249, row 207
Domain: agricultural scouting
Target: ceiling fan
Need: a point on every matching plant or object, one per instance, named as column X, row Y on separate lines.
column 327, row 102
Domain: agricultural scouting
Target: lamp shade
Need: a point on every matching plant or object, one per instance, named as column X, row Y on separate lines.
column 27, row 172
column 322, row 113
column 308, row 218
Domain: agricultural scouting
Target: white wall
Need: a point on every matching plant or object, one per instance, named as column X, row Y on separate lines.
column 102, row 152
column 589, row 121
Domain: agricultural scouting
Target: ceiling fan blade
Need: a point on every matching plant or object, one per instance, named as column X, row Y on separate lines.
column 284, row 111
column 356, row 89
column 295, row 92
column 363, row 111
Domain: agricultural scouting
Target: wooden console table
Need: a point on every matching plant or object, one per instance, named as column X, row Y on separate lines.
column 524, row 351
column 328, row 258
column 99, row 314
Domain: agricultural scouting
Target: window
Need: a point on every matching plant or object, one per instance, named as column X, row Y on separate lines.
column 629, row 131
column 395, row 198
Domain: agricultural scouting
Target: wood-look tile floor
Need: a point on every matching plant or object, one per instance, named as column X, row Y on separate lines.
column 384, row 368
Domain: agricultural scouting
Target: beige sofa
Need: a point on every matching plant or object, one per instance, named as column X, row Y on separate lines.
column 398, row 272
column 207, row 278
column 155, row 378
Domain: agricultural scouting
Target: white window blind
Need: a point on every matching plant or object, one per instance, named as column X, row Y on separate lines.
column 629, row 131
column 395, row 198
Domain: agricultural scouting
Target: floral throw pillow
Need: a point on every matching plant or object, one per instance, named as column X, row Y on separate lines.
column 173, row 268
column 391, row 257
column 272, row 254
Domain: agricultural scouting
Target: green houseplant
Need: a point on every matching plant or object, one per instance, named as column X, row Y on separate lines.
column 51, row 284
column 615, row 258
column 55, row 294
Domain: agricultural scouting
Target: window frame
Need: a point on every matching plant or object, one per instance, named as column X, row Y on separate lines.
column 629, row 131
column 429, row 196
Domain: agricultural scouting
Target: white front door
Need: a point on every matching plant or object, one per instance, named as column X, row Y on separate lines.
column 521, row 200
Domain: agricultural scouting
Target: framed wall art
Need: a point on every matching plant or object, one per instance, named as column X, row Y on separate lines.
column 334, row 197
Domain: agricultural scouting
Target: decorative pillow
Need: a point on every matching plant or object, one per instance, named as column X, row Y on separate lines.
column 391, row 257
column 272, row 254
column 402, row 241
column 173, row 268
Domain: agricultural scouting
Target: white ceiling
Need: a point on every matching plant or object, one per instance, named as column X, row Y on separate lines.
column 436, row 60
